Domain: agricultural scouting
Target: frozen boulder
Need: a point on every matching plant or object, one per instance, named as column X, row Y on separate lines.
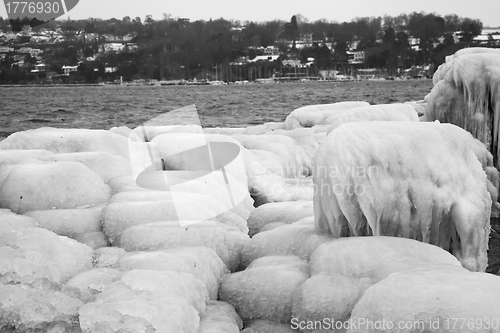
column 361, row 256
column 265, row 289
column 176, row 207
column 329, row 297
column 94, row 239
column 44, row 186
column 108, row 256
column 311, row 115
column 69, row 222
column 27, row 309
column 140, row 314
column 202, row 262
column 20, row 156
column 226, row 241
column 13, row 221
column 447, row 299
column 105, row 164
column 299, row 239
column 405, row 179
column 62, row 140
column 31, row 254
column 286, row 211
column 220, row 317
column 267, row 326
column 88, row 284
column 380, row 112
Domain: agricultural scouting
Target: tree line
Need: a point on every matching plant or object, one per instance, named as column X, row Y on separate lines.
column 175, row 48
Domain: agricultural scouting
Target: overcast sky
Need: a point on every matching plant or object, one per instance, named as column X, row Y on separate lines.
column 488, row 11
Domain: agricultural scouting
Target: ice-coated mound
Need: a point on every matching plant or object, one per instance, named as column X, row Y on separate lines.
column 264, row 290
column 140, row 314
column 267, row 326
column 202, row 262
column 42, row 186
column 304, row 137
column 108, row 256
column 31, row 254
column 220, row 317
column 466, row 93
column 69, row 222
column 300, row 239
column 287, row 212
column 88, row 284
column 360, row 256
column 381, row 112
column 328, row 296
column 94, row 239
column 279, row 152
column 105, row 164
column 266, row 188
column 405, row 179
column 65, row 140
column 311, row 115
column 226, row 241
column 27, row 309
column 118, row 216
column 13, row 221
column 19, row 156
column 437, row 300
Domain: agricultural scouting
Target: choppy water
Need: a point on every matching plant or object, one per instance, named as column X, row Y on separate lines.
column 102, row 107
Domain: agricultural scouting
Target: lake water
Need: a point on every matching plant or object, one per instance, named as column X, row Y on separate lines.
column 102, row 107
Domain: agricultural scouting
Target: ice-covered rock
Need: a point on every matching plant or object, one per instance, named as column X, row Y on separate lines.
column 105, row 164
column 361, row 256
column 220, row 317
column 13, row 221
column 329, row 297
column 447, row 299
column 300, row 239
column 42, row 186
column 226, row 241
column 27, row 309
column 20, row 156
column 31, row 254
column 69, row 222
column 94, row 239
column 287, row 212
column 267, row 188
column 267, row 326
column 88, row 284
column 265, row 289
column 108, row 256
column 381, row 112
column 63, row 140
column 140, row 314
column 466, row 93
column 311, row 115
column 202, row 262
column 181, row 207
column 406, row 179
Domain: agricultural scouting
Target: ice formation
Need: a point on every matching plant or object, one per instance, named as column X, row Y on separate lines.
column 466, row 93
column 265, row 289
column 286, row 211
column 108, row 256
column 228, row 242
column 32, row 254
column 220, row 317
column 200, row 261
column 405, row 179
column 27, row 309
column 311, row 115
column 295, row 239
column 381, row 112
column 447, row 299
column 88, row 284
column 267, row 326
column 42, row 186
column 69, row 222
column 12, row 221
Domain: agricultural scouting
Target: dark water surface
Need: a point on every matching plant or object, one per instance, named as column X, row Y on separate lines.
column 102, row 107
